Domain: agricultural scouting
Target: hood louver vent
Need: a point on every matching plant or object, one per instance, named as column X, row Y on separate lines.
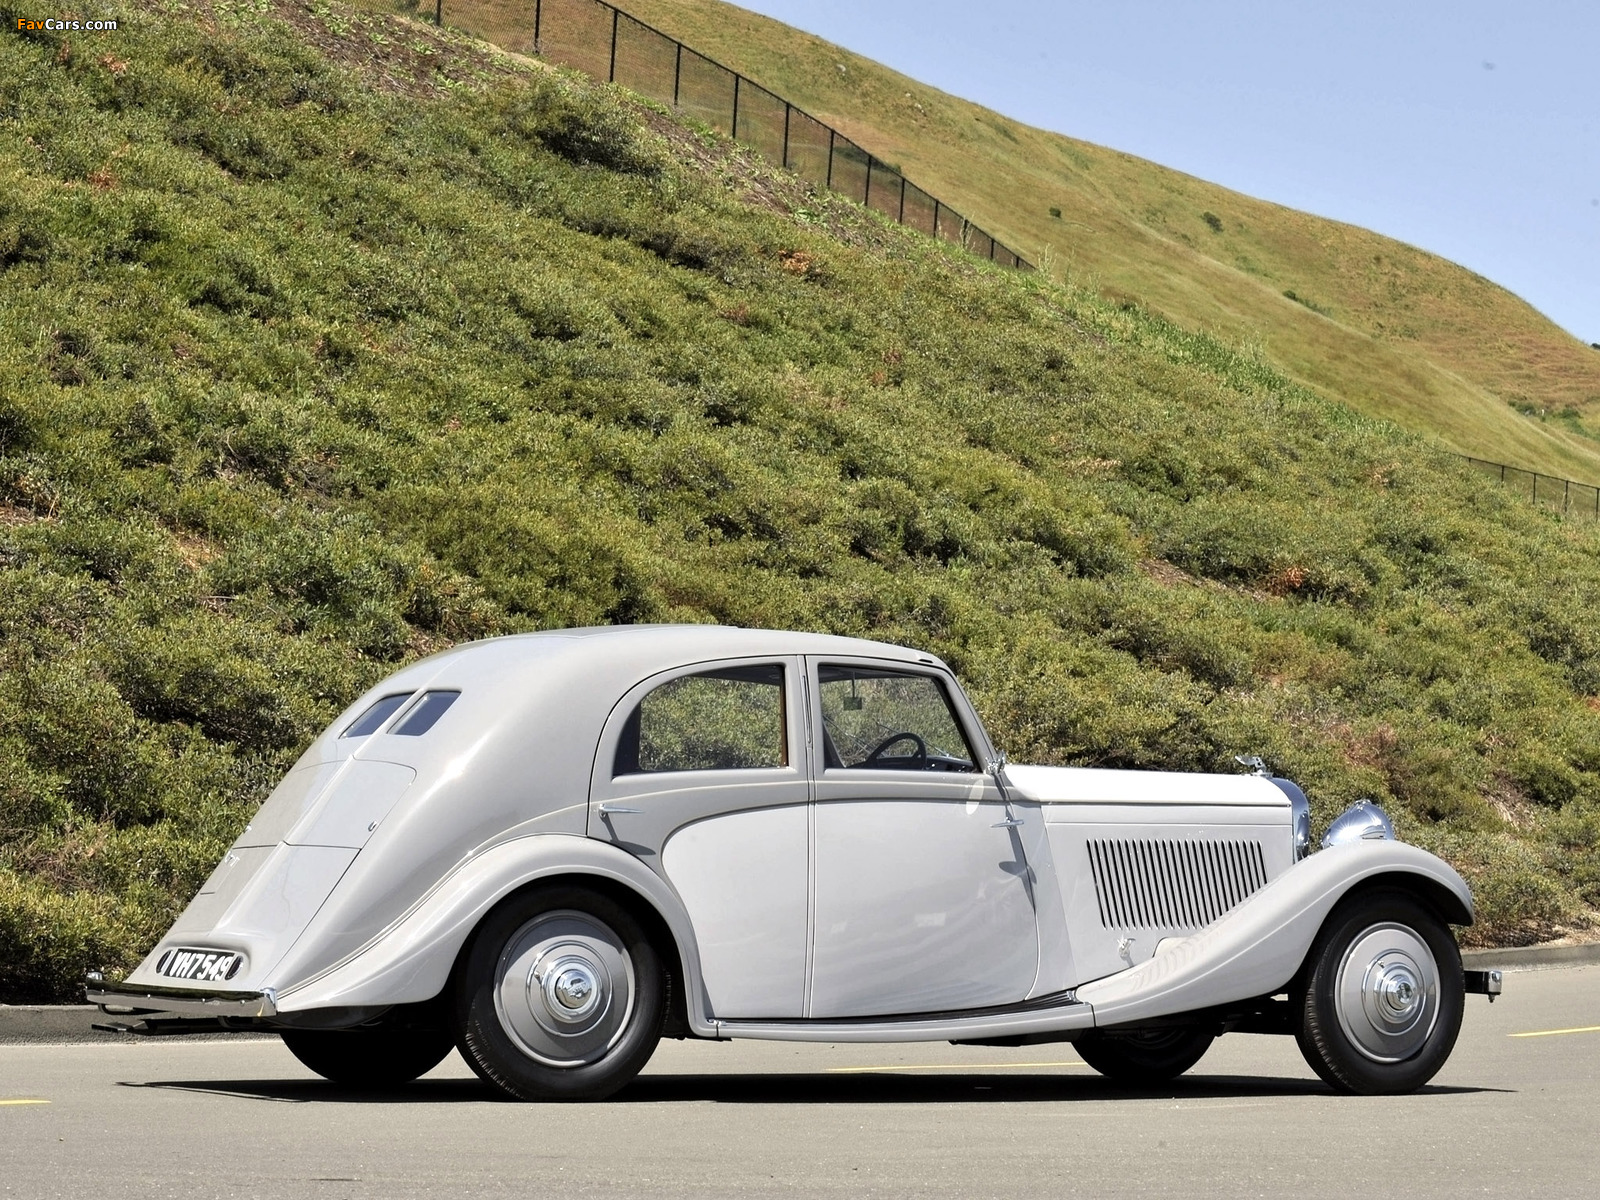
column 1170, row 884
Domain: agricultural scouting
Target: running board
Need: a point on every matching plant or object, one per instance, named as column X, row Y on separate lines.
column 1062, row 1014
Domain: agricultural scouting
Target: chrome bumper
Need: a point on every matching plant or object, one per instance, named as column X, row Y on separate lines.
column 118, row 999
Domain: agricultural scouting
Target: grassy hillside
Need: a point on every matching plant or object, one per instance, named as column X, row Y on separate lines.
column 326, row 340
column 1386, row 328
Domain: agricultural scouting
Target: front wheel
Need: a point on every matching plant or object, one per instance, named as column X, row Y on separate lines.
column 1146, row 1055
column 1383, row 995
column 561, row 996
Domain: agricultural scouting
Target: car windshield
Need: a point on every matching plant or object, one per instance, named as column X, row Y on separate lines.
column 889, row 720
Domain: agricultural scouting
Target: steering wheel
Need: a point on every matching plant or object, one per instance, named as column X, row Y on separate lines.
column 877, row 752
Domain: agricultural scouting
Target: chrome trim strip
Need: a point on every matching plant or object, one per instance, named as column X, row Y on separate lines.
column 182, row 1002
column 1061, row 1014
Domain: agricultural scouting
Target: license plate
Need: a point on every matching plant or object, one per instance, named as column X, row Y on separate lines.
column 202, row 966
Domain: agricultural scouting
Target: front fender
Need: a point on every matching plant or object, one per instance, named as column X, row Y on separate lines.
column 1257, row 947
column 411, row 960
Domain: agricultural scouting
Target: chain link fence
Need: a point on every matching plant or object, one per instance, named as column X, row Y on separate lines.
column 602, row 40
column 1569, row 496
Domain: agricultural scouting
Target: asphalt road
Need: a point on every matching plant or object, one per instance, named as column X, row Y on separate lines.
column 1509, row 1114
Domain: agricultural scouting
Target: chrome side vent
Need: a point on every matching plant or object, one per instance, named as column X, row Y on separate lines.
column 1172, row 884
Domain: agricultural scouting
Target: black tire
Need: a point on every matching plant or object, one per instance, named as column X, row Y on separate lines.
column 1382, row 995
column 1146, row 1055
column 561, row 996
column 369, row 1058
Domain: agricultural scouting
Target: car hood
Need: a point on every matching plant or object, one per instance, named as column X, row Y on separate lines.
column 1080, row 785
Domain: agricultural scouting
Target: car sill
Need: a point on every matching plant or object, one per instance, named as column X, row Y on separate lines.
column 1056, row 1014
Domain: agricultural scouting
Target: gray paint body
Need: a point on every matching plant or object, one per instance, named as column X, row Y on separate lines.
column 806, row 902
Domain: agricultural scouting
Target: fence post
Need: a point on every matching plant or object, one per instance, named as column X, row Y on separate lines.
column 735, row 132
column 538, row 12
column 829, row 184
column 866, row 194
column 438, row 16
column 1566, row 497
column 787, row 109
column 677, row 75
column 902, row 217
column 936, row 216
column 615, row 14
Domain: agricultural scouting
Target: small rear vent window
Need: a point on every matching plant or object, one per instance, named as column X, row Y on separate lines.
column 372, row 720
column 425, row 713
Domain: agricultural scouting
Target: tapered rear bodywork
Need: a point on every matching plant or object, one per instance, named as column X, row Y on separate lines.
column 550, row 849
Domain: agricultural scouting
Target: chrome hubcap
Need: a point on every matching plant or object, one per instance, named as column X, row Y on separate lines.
column 1387, row 993
column 571, row 990
column 564, row 988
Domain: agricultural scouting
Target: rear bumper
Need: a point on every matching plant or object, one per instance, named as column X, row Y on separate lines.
column 118, row 999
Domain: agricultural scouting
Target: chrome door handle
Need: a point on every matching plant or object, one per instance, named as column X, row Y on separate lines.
column 1008, row 823
column 607, row 810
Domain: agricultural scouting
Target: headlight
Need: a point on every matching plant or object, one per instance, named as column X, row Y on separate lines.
column 1362, row 821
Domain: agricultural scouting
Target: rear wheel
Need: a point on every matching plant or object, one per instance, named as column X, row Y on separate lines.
column 372, row 1058
column 1383, row 995
column 1146, row 1055
column 561, row 996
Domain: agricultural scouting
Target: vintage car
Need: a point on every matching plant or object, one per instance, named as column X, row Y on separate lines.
column 551, row 850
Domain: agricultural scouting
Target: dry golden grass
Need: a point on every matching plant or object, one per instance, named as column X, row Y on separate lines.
column 1387, row 328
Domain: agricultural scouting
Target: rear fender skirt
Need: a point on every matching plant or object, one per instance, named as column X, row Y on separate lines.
column 1256, row 949
column 411, row 960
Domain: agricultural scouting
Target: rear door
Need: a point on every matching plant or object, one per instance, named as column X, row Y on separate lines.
column 922, row 896
column 702, row 774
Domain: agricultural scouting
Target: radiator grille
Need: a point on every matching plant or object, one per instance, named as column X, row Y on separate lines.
column 1170, row 884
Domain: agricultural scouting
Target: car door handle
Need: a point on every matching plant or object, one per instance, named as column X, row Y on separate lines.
column 607, row 810
column 1008, row 823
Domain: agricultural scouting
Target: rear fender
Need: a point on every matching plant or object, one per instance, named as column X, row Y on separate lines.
column 1257, row 948
column 411, row 960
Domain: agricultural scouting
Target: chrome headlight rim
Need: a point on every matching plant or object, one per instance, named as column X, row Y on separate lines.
column 1363, row 821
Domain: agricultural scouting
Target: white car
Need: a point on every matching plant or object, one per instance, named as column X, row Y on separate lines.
column 551, row 850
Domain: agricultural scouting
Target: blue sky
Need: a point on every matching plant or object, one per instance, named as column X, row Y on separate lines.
column 1468, row 128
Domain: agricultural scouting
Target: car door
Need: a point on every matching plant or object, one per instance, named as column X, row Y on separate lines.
column 922, row 900
column 701, row 773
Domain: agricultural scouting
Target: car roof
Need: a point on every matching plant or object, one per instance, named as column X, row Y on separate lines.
column 690, row 642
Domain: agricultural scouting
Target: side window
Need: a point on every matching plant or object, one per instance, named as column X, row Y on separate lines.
column 725, row 720
column 889, row 720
